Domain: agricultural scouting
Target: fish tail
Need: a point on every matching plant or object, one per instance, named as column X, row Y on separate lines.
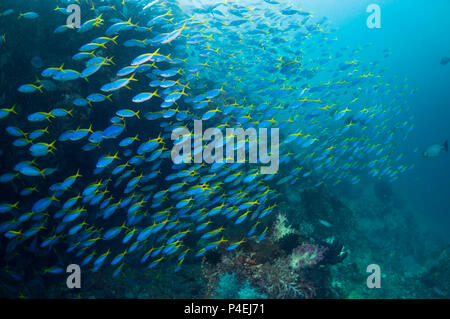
column 13, row 109
column 446, row 145
column 52, row 145
column 132, row 78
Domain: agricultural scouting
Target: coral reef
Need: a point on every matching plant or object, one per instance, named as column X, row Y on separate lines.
column 267, row 269
column 306, row 255
column 436, row 276
column 229, row 287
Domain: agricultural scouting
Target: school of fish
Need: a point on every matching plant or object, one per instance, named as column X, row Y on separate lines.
column 148, row 68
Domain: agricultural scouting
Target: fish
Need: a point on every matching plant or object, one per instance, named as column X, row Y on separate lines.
column 117, row 84
column 435, row 150
column 30, row 88
column 4, row 112
column 29, row 15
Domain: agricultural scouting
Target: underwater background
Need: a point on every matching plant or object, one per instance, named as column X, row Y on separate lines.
column 87, row 177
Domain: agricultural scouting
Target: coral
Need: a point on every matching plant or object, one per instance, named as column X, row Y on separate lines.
column 249, row 292
column 229, row 287
column 273, row 277
column 281, row 227
column 306, row 255
column 226, row 287
column 282, row 282
column 281, row 266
